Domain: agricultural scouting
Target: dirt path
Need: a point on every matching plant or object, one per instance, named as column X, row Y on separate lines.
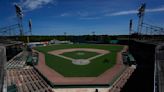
column 57, row 52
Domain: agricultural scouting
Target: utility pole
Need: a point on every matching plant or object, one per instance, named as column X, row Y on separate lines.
column 130, row 30
column 130, row 27
column 65, row 34
column 30, row 30
column 30, row 26
column 93, row 35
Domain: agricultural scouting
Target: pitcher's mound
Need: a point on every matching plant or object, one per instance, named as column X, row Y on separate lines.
column 81, row 62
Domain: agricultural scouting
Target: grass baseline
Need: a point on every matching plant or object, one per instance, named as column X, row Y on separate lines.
column 94, row 69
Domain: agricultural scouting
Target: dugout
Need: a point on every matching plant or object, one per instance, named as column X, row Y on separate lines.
column 32, row 59
column 128, row 58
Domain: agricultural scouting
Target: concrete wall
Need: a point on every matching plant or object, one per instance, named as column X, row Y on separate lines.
column 159, row 69
column 2, row 62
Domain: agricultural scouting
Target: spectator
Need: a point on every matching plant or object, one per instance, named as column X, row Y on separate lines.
column 96, row 90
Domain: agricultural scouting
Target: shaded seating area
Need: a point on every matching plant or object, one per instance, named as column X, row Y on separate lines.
column 18, row 61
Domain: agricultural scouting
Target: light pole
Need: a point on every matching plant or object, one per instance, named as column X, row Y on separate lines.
column 130, row 30
column 65, row 34
column 30, row 30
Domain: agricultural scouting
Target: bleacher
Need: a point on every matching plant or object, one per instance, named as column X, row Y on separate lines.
column 18, row 61
column 118, row 85
column 24, row 77
column 27, row 80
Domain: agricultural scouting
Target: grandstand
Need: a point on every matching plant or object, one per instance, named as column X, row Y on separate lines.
column 18, row 61
column 23, row 78
column 15, row 75
column 27, row 80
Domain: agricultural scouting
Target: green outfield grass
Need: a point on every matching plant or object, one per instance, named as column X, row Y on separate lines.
column 93, row 69
column 79, row 54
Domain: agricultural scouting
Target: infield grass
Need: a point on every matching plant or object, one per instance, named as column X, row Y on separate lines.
column 79, row 54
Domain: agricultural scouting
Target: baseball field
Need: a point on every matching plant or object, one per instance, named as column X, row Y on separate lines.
column 80, row 60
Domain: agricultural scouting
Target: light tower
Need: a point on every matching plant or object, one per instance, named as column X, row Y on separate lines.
column 19, row 16
column 140, row 14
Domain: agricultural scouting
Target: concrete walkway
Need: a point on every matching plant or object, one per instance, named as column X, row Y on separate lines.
column 81, row 90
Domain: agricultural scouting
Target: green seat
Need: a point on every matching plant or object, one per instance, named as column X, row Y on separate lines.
column 12, row 88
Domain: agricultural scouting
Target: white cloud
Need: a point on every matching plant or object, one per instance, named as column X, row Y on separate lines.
column 122, row 13
column 160, row 9
column 80, row 14
column 34, row 4
column 155, row 9
column 89, row 18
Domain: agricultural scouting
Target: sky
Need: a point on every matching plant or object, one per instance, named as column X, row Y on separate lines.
column 81, row 17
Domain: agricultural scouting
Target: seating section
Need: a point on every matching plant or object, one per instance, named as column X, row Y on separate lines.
column 116, row 87
column 27, row 80
column 18, row 61
column 25, row 77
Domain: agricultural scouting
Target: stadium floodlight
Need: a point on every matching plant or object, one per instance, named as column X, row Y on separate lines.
column 140, row 14
column 141, row 10
column 18, row 11
column 20, row 16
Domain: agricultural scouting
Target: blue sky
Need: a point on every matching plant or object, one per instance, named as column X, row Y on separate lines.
column 80, row 17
